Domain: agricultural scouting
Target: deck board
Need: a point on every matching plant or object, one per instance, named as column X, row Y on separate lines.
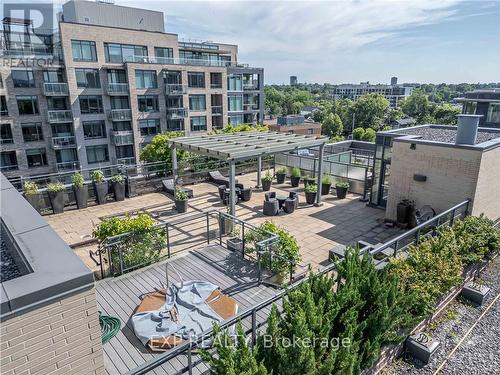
column 119, row 297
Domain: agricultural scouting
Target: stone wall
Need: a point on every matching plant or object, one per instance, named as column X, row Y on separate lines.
column 62, row 337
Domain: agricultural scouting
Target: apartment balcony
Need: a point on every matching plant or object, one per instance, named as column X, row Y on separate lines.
column 118, row 89
column 68, row 166
column 59, row 116
column 55, row 89
column 120, row 115
column 122, row 138
column 177, row 113
column 250, row 107
column 175, row 89
column 251, row 85
column 63, row 142
column 11, row 167
column 126, row 161
column 217, row 110
column 181, row 61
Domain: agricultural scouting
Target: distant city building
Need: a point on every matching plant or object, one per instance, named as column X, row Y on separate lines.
column 393, row 93
column 293, row 80
column 116, row 79
column 308, row 111
column 485, row 103
column 295, row 125
column 403, row 123
column 394, row 81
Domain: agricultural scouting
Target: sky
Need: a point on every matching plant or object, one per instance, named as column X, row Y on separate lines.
column 425, row 41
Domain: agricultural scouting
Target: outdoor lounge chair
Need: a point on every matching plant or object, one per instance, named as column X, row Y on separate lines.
column 168, row 186
column 246, row 194
column 217, row 178
column 224, row 305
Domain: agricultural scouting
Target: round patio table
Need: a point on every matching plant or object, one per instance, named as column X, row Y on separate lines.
column 281, row 200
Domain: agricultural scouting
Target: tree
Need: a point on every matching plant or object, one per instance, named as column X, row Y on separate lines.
column 367, row 135
column 417, row 105
column 158, row 149
column 395, row 114
column 446, row 114
column 332, row 125
column 369, row 111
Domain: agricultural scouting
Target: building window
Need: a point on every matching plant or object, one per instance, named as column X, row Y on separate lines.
column 175, row 125
column 117, row 76
column 91, row 104
column 126, row 151
column 27, row 104
column 235, row 103
column 83, row 50
column 53, row 76
column 57, row 104
column 235, row 120
column 197, row 103
column 149, row 126
column 234, row 83
column 215, row 80
column 32, row 132
column 198, row 123
column 6, row 134
column 196, row 79
column 97, row 154
column 3, row 106
column 36, row 157
column 147, row 103
column 310, row 131
column 119, row 53
column 493, row 113
column 23, row 78
column 8, row 161
column 164, row 55
column 119, row 102
column 87, row 78
column 122, row 125
column 94, row 129
column 145, row 79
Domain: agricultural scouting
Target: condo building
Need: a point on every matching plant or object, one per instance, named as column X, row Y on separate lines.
column 485, row 103
column 96, row 91
column 393, row 92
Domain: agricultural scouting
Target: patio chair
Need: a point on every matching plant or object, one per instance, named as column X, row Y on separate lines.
column 168, row 186
column 270, row 196
column 290, row 205
column 218, row 178
column 222, row 189
column 227, row 197
column 295, row 197
column 271, row 207
column 246, row 194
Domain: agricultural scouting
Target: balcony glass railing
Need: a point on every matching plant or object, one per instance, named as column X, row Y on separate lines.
column 251, row 85
column 175, row 113
column 217, row 110
column 123, row 137
column 11, row 167
column 68, row 165
column 117, row 88
column 55, row 89
column 181, row 61
column 126, row 161
column 175, row 89
column 216, row 85
column 120, row 114
column 250, row 107
column 65, row 115
column 65, row 141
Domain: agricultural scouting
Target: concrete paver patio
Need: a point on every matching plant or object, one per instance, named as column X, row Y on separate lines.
column 317, row 229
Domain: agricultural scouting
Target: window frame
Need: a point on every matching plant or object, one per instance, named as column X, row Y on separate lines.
column 30, row 78
column 99, row 104
column 43, row 157
column 194, row 103
column 155, row 107
column 139, row 78
column 92, row 49
column 6, row 130
column 85, row 72
column 156, row 126
column 100, row 123
column 34, row 104
column 198, row 75
column 94, row 147
column 193, row 125
column 39, row 131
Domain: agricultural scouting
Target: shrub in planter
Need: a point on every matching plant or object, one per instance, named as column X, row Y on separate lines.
column 56, row 196
column 295, row 177
column 326, row 184
column 118, row 184
column 100, row 186
column 311, row 191
column 80, row 190
column 30, row 190
column 281, row 175
column 235, row 243
column 181, row 199
column 307, row 180
column 341, row 189
column 266, row 181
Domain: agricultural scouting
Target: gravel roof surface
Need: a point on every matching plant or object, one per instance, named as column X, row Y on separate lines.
column 8, row 267
column 446, row 135
column 479, row 353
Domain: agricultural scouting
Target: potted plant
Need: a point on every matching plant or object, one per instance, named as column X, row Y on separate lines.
column 341, row 188
column 311, row 190
column 266, row 181
column 326, row 184
column 100, row 186
column 403, row 211
column 234, row 242
column 30, row 190
column 225, row 223
column 118, row 184
column 56, row 196
column 281, row 175
column 80, row 190
column 307, row 180
column 295, row 177
column 181, row 199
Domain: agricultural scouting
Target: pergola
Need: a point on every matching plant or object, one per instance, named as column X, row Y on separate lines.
column 246, row 145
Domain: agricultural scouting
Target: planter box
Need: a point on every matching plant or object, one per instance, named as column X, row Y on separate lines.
column 475, row 293
column 310, row 197
column 119, row 191
column 295, row 181
column 235, row 244
column 341, row 192
column 101, row 191
column 421, row 346
column 131, row 187
column 225, row 226
column 266, row 185
column 280, row 178
column 57, row 201
column 81, row 196
column 181, row 206
column 325, row 189
column 35, row 201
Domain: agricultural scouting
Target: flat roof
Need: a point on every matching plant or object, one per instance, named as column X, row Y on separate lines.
column 245, row 145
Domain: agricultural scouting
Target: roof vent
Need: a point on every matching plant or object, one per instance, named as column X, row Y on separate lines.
column 467, row 129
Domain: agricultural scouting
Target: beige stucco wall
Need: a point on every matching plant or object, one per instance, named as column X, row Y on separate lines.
column 451, row 173
column 487, row 195
column 63, row 337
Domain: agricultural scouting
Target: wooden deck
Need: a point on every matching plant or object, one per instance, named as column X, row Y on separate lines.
column 119, row 297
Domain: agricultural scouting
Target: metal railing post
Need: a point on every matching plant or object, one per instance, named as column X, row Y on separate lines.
column 208, row 229
column 221, row 217
column 243, row 239
column 396, row 248
column 190, row 360
column 452, row 218
column 417, row 237
column 254, row 328
column 168, row 240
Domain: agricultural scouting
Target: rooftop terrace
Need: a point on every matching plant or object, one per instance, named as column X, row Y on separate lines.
column 446, row 134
